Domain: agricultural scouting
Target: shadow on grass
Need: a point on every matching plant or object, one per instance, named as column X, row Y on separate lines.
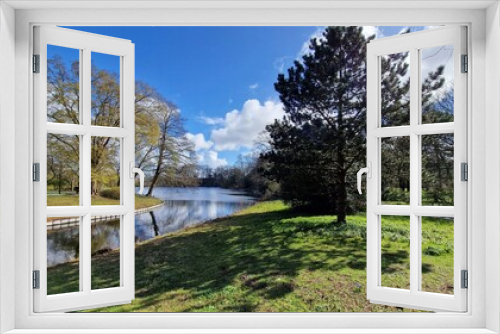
column 261, row 252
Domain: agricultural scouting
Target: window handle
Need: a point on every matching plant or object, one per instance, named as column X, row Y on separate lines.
column 368, row 171
column 133, row 171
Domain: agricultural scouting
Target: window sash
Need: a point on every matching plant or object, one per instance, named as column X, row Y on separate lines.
column 413, row 298
column 87, row 43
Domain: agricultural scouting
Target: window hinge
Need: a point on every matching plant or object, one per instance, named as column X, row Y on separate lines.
column 36, row 279
column 464, row 279
column 36, row 172
column 464, row 172
column 36, row 63
column 465, row 64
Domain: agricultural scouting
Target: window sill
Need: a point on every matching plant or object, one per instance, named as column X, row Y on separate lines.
column 253, row 331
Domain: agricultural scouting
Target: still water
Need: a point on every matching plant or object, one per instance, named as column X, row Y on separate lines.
column 183, row 207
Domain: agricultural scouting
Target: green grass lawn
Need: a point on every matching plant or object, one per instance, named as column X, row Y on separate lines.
column 73, row 200
column 268, row 258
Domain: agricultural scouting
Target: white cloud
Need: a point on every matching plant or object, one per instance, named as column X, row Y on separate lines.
column 318, row 34
column 210, row 159
column 402, row 30
column 279, row 63
column 431, row 27
column 199, row 141
column 211, row 120
column 241, row 128
column 254, row 86
column 434, row 57
column 372, row 30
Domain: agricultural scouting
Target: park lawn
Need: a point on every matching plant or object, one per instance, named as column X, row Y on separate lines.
column 269, row 258
column 73, row 200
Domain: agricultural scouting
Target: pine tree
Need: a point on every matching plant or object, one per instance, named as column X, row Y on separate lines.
column 321, row 140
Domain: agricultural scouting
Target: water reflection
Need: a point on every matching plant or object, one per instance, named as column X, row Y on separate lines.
column 178, row 214
column 183, row 207
column 62, row 246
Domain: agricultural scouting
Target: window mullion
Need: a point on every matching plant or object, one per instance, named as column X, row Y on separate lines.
column 414, row 172
column 85, row 186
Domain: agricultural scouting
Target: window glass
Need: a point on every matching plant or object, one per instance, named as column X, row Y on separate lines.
column 105, row 252
column 105, row 167
column 63, row 170
column 105, row 90
column 395, row 170
column 63, row 85
column 437, row 254
column 437, row 73
column 63, row 255
column 395, row 260
column 395, row 89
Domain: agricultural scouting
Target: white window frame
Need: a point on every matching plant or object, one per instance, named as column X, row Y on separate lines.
column 483, row 294
column 413, row 43
column 86, row 44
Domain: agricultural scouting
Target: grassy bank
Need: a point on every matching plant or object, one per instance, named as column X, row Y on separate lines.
column 73, row 200
column 268, row 258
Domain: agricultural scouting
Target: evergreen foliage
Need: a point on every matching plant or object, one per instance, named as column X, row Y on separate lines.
column 320, row 144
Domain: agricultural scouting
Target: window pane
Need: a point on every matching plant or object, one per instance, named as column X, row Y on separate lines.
column 437, row 169
column 63, row 85
column 105, row 90
column 105, row 166
column 395, row 170
column 63, row 170
column 105, row 252
column 395, row 244
column 437, row 84
column 395, row 89
column 437, row 255
column 63, row 247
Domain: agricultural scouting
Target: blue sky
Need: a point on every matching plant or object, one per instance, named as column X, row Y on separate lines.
column 221, row 78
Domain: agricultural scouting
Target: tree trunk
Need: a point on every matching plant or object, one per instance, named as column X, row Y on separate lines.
column 59, row 183
column 155, row 223
column 342, row 199
column 341, row 160
column 158, row 170
column 153, row 182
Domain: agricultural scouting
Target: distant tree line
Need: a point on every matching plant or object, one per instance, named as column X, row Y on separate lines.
column 246, row 174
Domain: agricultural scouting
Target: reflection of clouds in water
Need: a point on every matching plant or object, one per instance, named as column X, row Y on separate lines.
column 201, row 194
column 212, row 210
column 63, row 245
column 183, row 207
column 55, row 255
column 106, row 235
column 178, row 214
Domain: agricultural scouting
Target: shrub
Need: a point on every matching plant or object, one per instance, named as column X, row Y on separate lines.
column 396, row 195
column 112, row 193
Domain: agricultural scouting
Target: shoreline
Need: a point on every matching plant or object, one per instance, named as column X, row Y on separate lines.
column 205, row 222
column 62, row 223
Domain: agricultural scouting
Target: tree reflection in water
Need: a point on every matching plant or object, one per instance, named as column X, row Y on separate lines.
column 175, row 215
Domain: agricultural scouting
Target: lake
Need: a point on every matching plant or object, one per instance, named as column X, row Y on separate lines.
column 183, row 207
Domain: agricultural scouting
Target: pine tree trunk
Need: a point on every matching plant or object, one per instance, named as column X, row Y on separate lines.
column 342, row 199
column 341, row 160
